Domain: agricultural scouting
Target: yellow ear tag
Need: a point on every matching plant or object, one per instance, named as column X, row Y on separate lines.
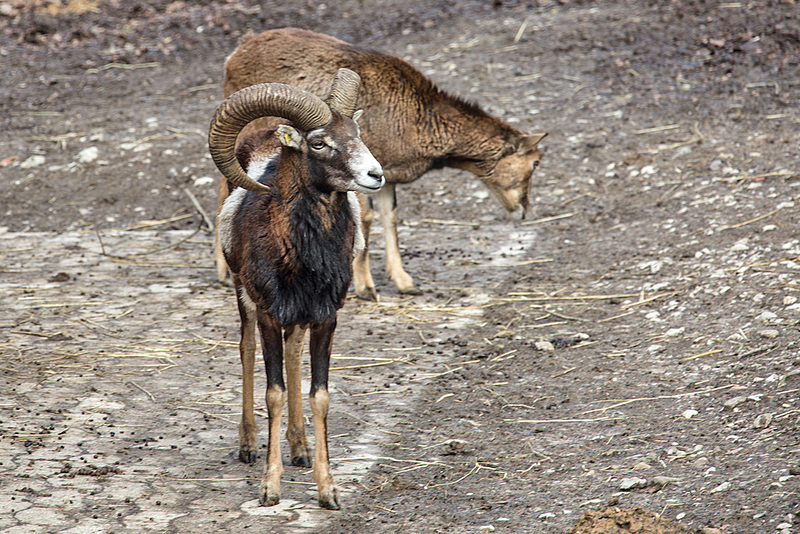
column 287, row 138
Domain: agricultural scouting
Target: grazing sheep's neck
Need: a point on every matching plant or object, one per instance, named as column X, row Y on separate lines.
column 481, row 139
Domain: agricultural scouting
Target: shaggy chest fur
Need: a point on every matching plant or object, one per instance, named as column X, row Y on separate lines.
column 300, row 267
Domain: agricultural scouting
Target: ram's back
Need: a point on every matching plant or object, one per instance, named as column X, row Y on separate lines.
column 396, row 98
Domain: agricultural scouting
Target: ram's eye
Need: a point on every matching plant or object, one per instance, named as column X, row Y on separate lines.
column 317, row 145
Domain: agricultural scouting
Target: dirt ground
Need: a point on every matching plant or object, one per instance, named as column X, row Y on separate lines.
column 631, row 349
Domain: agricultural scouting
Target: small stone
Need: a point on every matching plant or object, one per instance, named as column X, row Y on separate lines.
column 88, row 154
column 725, row 486
column 700, row 463
column 33, row 161
column 662, row 481
column 203, row 181
column 632, row 483
column 734, row 402
column 688, row 414
column 486, row 528
column 642, row 465
column 544, row 345
column 784, row 526
column 648, row 170
column 770, row 333
column 789, row 299
column 762, row 421
column 547, row 515
column 794, row 470
column 766, row 316
column 457, row 445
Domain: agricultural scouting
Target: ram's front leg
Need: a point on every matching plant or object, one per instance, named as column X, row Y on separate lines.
column 271, row 342
column 320, row 348
column 296, row 431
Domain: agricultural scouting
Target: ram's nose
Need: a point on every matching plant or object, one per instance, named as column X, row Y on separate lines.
column 377, row 175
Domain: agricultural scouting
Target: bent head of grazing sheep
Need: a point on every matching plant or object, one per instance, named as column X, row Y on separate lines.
column 289, row 229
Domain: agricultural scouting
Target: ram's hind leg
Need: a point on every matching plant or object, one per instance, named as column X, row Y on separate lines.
column 320, row 348
column 248, row 428
column 271, row 342
column 296, row 431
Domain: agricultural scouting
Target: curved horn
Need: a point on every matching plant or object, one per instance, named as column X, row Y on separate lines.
column 343, row 96
column 304, row 109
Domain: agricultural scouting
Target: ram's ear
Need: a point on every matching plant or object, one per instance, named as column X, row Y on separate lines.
column 357, row 114
column 529, row 142
column 289, row 137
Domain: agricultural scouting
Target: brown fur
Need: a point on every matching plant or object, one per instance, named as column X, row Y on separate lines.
column 409, row 124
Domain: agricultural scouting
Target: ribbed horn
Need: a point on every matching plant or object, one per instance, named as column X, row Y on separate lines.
column 302, row 108
column 343, row 96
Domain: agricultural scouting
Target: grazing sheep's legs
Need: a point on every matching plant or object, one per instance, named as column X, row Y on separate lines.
column 270, row 491
column 387, row 207
column 362, row 277
column 248, row 429
column 219, row 256
column 296, row 432
column 320, row 348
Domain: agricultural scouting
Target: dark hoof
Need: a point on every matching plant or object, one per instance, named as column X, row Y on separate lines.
column 367, row 294
column 414, row 290
column 301, row 461
column 247, row 456
column 330, row 499
column 266, row 499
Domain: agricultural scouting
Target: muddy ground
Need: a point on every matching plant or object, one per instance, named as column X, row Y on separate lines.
column 634, row 342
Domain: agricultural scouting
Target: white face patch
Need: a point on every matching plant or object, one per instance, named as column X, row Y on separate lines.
column 364, row 168
column 255, row 170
